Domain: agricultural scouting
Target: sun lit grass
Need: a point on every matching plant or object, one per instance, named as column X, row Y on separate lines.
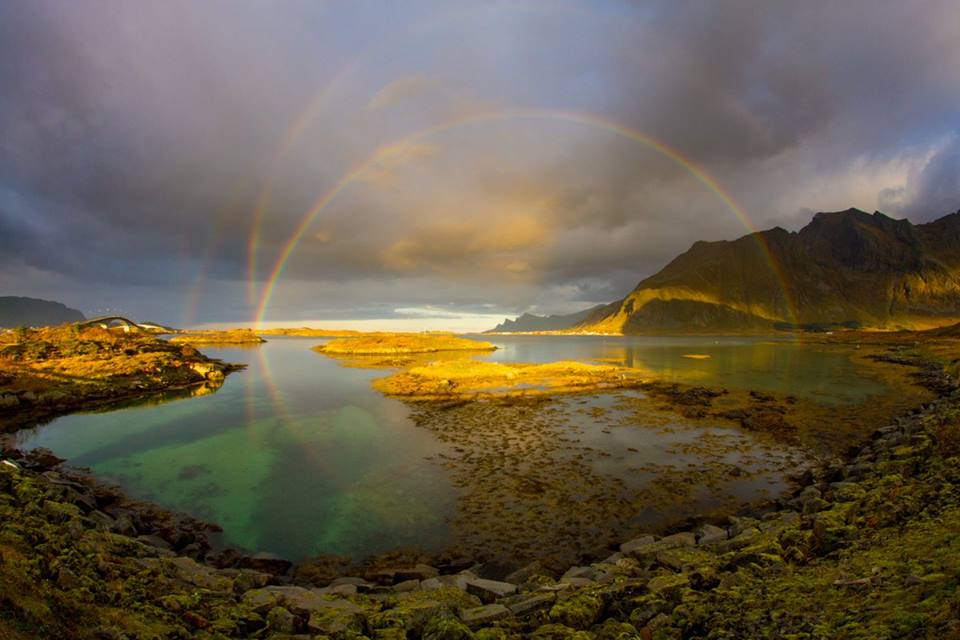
column 397, row 343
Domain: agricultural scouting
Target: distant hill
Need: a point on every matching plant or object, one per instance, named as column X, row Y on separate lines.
column 529, row 322
column 16, row 311
column 845, row 268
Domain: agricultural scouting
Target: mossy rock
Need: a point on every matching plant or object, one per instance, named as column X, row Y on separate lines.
column 559, row 632
column 614, row 630
column 669, row 586
column 494, row 633
column 408, row 615
column 647, row 607
column 580, row 610
column 446, row 627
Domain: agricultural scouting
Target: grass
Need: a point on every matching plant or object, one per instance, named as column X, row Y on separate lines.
column 401, row 343
column 468, row 378
column 230, row 336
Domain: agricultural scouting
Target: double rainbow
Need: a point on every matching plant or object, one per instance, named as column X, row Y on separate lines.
column 586, row 119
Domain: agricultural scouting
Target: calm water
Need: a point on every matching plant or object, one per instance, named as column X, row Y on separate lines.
column 741, row 362
column 298, row 456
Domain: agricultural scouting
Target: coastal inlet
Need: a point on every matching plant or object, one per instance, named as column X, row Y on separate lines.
column 301, row 457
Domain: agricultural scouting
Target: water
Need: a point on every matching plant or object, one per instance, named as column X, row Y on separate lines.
column 784, row 366
column 298, row 456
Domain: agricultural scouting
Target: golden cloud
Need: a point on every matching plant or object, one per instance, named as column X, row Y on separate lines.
column 505, row 242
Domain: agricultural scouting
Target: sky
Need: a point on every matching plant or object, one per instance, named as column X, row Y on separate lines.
column 445, row 164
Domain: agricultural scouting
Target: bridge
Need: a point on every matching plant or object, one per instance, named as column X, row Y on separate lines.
column 108, row 322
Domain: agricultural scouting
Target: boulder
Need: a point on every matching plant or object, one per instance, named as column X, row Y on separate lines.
column 490, row 590
column 744, row 539
column 646, row 550
column 406, row 586
column 847, row 491
column 198, row 575
column 520, row 576
column 446, row 627
column 44, row 458
column 296, row 599
column 628, row 548
column 580, row 610
column 265, row 563
column 578, row 572
column 646, row 608
column 668, row 587
column 336, row 622
column 419, row 572
column 281, row 621
column 409, row 615
column 481, row 616
column 709, row 534
column 532, row 603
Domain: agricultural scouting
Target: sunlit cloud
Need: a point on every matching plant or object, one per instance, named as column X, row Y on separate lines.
column 130, row 168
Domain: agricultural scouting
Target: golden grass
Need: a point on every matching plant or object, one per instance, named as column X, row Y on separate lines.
column 401, row 343
column 307, row 332
column 231, row 336
column 471, row 378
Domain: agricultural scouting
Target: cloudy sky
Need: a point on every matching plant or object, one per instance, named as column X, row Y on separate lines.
column 445, row 163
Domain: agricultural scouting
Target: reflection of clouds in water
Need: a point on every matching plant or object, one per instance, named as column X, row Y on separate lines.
column 343, row 468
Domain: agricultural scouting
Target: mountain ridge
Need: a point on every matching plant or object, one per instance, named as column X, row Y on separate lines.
column 19, row 311
column 843, row 268
column 528, row 322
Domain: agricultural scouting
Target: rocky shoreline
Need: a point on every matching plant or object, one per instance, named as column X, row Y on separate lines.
column 45, row 373
column 840, row 553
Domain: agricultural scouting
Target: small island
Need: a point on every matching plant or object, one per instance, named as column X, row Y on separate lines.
column 401, row 343
column 467, row 379
column 309, row 332
column 220, row 337
column 55, row 370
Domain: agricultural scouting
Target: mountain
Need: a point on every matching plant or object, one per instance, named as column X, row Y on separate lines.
column 32, row 312
column 845, row 268
column 529, row 322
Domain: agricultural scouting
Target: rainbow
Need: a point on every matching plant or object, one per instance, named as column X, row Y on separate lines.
column 317, row 103
column 586, row 119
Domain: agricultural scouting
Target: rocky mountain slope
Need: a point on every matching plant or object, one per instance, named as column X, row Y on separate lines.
column 33, row 312
column 846, row 267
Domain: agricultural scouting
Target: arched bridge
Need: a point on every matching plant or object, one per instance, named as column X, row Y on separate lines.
column 106, row 322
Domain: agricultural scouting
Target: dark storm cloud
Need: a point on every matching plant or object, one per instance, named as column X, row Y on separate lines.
column 138, row 138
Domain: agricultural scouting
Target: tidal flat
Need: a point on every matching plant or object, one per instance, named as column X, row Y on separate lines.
column 302, row 457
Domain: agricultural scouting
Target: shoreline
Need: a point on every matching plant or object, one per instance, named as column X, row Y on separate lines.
column 642, row 586
column 684, row 400
column 647, row 584
column 50, row 372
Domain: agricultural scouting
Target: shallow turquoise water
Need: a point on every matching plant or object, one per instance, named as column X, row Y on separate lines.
column 298, row 456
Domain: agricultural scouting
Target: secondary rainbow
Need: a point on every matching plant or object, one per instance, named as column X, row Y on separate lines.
column 586, row 119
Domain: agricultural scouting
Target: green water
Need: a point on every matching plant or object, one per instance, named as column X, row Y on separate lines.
column 298, row 456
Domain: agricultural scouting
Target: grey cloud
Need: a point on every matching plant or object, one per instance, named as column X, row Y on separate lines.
column 137, row 138
column 930, row 191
